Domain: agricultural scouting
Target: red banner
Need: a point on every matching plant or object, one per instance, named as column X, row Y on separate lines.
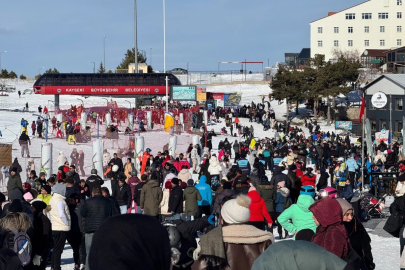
column 218, row 96
column 103, row 90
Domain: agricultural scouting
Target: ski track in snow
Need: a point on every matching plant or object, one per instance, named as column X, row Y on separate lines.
column 385, row 250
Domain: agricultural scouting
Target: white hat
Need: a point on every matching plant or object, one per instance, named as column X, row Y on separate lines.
column 236, row 211
column 115, row 168
column 341, row 159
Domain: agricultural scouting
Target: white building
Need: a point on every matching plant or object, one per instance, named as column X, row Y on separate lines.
column 374, row 24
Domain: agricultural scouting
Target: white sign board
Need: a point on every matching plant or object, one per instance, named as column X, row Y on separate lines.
column 379, row 100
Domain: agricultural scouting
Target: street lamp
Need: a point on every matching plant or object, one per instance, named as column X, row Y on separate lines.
column 94, row 67
column 164, row 55
column 136, row 38
column 129, row 103
column 150, row 56
column 81, row 101
column 0, row 58
column 104, row 53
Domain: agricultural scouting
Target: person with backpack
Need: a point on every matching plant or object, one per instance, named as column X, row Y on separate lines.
column 14, row 229
column 41, row 237
column 281, row 203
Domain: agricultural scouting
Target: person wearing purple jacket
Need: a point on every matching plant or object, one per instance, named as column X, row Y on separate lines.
column 132, row 182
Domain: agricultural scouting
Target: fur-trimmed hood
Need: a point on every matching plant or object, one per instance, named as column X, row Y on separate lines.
column 284, row 191
column 17, row 221
column 245, row 234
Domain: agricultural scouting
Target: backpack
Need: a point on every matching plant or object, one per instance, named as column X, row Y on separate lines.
column 22, row 246
column 287, row 202
column 379, row 163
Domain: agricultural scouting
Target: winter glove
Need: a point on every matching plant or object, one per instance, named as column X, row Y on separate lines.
column 37, row 260
column 211, row 219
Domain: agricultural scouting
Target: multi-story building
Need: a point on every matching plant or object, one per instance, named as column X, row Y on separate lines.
column 374, row 24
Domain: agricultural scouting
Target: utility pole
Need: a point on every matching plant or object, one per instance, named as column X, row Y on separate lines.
column 136, row 39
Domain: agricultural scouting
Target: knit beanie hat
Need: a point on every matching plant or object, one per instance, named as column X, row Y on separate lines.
column 28, row 196
column 293, row 167
column 16, row 193
column 190, row 182
column 60, row 189
column 168, row 185
column 115, row 168
column 15, row 206
column 59, row 169
column 236, row 211
column 175, row 181
column 47, row 188
column 44, row 174
column 13, row 169
column 345, row 205
column 401, row 178
column 227, row 185
column 38, row 205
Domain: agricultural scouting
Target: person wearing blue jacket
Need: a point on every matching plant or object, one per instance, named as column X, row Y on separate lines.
column 204, row 205
column 244, row 165
column 351, row 166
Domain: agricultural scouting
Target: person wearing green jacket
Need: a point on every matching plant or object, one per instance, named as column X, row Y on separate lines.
column 191, row 196
column 301, row 218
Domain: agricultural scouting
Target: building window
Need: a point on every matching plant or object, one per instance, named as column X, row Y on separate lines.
column 399, row 29
column 336, row 43
column 399, row 15
column 366, row 43
column 383, row 15
column 399, row 104
column 350, row 43
column 382, row 42
column 350, row 16
column 366, row 29
column 399, row 2
column 336, row 30
column 382, row 29
column 383, row 124
column 366, row 16
column 373, row 125
column 398, row 126
column 319, row 30
column 399, row 42
column 350, row 29
column 320, row 43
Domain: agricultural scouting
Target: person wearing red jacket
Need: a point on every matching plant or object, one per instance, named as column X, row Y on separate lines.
column 144, row 159
column 309, row 178
column 258, row 210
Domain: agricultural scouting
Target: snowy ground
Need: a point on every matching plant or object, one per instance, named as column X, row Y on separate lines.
column 385, row 249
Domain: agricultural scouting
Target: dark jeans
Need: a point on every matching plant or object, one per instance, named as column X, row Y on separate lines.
column 59, row 239
column 401, row 240
column 279, row 227
column 75, row 241
column 352, row 176
column 204, row 209
column 83, row 250
column 268, row 163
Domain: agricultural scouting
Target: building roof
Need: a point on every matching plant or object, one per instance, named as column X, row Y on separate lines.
column 305, row 53
column 333, row 13
column 394, row 50
column 398, row 79
column 374, row 53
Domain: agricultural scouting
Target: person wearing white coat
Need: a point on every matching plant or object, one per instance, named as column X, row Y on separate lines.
column 61, row 159
column 215, row 168
column 195, row 158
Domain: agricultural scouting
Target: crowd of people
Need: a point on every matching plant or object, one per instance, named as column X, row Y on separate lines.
column 234, row 198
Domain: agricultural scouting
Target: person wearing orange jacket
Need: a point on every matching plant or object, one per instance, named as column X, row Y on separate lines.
column 144, row 159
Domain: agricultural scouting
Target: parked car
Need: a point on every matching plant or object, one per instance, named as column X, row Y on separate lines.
column 178, row 71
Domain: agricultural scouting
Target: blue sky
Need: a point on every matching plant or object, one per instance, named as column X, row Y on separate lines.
column 68, row 34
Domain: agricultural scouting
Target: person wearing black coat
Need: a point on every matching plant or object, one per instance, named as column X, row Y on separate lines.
column 106, row 194
column 176, row 199
column 95, row 211
column 278, row 176
column 9, row 260
column 138, row 191
column 94, row 181
column 323, row 179
column 204, row 171
column 41, row 237
column 117, row 161
column 123, row 195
